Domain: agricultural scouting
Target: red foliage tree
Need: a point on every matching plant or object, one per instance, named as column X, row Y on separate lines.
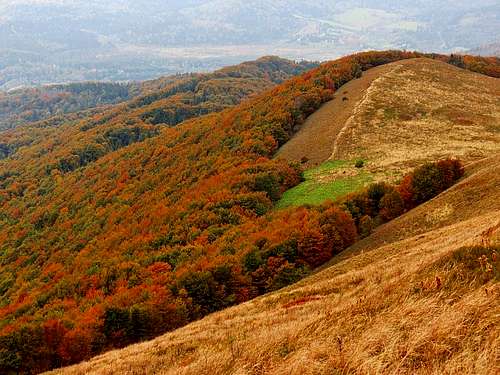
column 392, row 205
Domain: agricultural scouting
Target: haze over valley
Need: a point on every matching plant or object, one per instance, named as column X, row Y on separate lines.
column 55, row 41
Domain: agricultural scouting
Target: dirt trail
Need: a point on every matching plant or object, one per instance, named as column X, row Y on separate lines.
column 315, row 140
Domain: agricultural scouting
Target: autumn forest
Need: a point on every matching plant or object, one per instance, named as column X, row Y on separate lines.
column 144, row 210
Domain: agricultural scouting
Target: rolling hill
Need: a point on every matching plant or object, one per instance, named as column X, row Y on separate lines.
column 435, row 111
column 418, row 296
column 23, row 106
column 53, row 117
column 115, row 230
column 27, row 106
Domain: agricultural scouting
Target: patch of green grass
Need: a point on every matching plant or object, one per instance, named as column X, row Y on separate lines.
column 324, row 168
column 317, row 188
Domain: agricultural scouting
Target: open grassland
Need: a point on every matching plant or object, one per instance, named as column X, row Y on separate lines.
column 329, row 181
column 413, row 298
column 434, row 110
column 316, row 137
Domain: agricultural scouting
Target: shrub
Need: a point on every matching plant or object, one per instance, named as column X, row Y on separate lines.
column 375, row 193
column 426, row 183
column 451, row 170
column 313, row 248
column 359, row 163
column 269, row 184
column 405, row 189
column 366, row 226
column 381, row 202
column 202, row 288
column 252, row 261
column 391, row 205
column 287, row 275
column 338, row 228
column 431, row 179
column 357, row 204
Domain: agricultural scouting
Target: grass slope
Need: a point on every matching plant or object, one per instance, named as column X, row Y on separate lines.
column 317, row 135
column 435, row 111
column 408, row 300
column 414, row 297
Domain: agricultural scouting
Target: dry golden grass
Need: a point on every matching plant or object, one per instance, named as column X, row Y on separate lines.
column 401, row 114
column 422, row 110
column 317, row 135
column 397, row 116
column 394, row 303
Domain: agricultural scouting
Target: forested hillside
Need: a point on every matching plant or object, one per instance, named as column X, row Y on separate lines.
column 195, row 93
column 88, row 135
column 34, row 104
column 114, row 230
column 418, row 296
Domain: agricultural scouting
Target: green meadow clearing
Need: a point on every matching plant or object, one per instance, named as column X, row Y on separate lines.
column 329, row 181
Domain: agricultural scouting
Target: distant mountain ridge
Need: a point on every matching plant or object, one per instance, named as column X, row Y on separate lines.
column 124, row 39
column 27, row 106
column 34, row 104
column 490, row 49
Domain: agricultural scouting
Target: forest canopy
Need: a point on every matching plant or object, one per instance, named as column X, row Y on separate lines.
column 118, row 230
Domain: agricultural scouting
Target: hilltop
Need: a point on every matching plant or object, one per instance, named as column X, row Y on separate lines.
column 434, row 110
column 116, row 228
